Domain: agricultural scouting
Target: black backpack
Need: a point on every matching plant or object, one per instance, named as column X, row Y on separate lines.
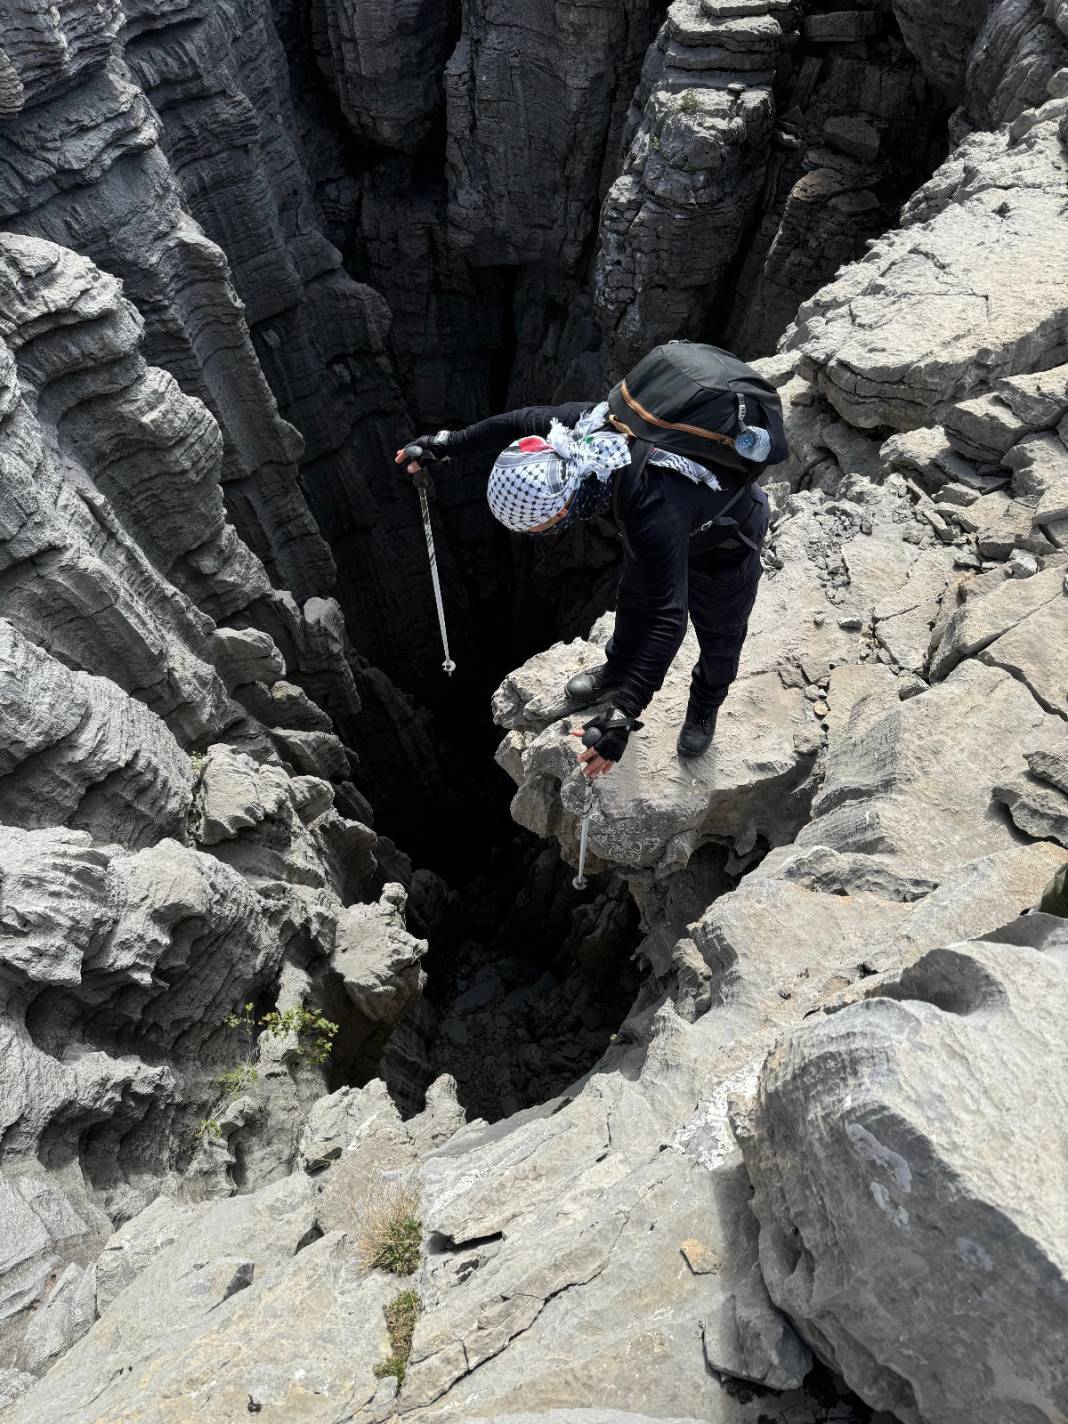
column 694, row 400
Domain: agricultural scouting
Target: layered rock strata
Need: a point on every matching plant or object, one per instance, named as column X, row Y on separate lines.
column 181, row 832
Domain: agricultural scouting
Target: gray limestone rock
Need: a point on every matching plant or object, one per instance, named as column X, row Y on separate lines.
column 691, row 181
column 914, row 779
column 1035, row 651
column 1038, row 810
column 234, row 794
column 378, row 960
column 384, row 62
column 526, row 136
column 63, row 1317
column 13, row 1383
column 941, row 39
column 138, row 1242
column 980, row 621
column 983, row 271
column 1051, row 767
column 78, row 751
column 987, row 426
column 892, row 1230
column 244, row 1303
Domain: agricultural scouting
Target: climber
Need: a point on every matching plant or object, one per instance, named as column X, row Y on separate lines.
column 682, row 553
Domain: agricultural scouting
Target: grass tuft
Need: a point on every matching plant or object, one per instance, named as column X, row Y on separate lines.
column 401, row 1314
column 389, row 1232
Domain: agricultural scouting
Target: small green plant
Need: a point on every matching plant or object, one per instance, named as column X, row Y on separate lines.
column 388, row 1229
column 401, row 1314
column 232, row 1084
column 315, row 1038
column 399, row 1251
column 315, row 1034
column 196, row 761
column 688, row 102
column 654, row 142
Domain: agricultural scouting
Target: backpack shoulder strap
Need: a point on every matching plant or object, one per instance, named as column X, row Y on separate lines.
column 722, row 522
column 625, row 481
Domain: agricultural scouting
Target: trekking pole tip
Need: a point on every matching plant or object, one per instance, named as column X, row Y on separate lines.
column 449, row 666
column 579, row 883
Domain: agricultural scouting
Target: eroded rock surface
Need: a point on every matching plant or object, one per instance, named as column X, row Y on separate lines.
column 245, row 241
column 148, row 889
column 880, row 1201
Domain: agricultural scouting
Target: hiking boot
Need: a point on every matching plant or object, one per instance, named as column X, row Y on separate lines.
column 590, row 685
column 696, row 734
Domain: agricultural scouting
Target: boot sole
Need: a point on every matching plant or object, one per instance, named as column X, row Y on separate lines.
column 693, row 755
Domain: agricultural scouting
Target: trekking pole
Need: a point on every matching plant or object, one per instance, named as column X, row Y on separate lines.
column 421, row 482
column 590, row 738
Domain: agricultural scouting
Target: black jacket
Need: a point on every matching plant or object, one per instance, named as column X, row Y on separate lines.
column 661, row 515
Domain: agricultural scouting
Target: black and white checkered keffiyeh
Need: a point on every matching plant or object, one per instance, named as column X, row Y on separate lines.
column 534, row 477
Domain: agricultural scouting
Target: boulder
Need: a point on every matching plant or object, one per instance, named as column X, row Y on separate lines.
column 912, row 1215
column 377, row 959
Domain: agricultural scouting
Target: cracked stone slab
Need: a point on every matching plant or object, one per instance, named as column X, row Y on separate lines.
column 238, row 1303
column 970, row 289
column 915, row 782
column 980, row 621
column 1035, row 650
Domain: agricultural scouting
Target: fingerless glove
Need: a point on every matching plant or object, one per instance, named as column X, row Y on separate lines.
column 433, row 447
column 613, row 729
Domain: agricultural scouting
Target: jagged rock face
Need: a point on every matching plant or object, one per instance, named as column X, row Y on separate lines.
column 383, row 62
column 185, row 832
column 942, row 38
column 973, row 279
column 526, row 138
column 148, row 891
column 137, row 229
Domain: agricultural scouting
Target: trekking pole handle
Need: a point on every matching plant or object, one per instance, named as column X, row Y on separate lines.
column 424, row 456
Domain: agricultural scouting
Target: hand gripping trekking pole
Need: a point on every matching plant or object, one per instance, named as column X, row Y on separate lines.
column 416, row 452
column 590, row 738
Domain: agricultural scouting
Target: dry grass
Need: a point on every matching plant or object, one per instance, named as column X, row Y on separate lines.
column 388, row 1230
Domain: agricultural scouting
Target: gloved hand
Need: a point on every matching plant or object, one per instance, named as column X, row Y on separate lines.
column 605, row 738
column 431, row 449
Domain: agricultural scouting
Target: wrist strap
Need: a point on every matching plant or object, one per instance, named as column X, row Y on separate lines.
column 618, row 720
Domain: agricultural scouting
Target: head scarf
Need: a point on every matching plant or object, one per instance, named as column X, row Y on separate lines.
column 534, row 478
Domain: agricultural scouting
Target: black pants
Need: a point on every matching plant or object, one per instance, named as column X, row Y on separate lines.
column 722, row 591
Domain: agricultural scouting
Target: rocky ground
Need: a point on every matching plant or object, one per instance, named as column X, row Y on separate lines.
column 767, row 1126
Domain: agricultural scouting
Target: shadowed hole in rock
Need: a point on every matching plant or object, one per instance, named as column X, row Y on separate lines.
column 528, row 979
column 438, row 1244
column 949, row 981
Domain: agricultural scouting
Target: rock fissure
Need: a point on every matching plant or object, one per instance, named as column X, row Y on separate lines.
column 337, row 226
